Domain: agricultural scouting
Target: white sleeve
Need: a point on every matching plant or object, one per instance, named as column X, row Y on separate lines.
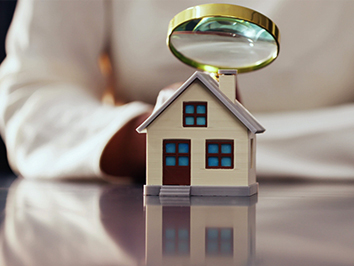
column 51, row 117
column 312, row 144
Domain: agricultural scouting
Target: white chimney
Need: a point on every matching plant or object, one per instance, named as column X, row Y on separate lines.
column 228, row 83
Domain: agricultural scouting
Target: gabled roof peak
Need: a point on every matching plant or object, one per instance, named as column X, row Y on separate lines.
column 236, row 108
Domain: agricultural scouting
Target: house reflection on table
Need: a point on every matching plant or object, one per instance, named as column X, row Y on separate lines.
column 200, row 230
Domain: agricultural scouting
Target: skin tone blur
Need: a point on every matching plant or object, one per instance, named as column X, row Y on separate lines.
column 124, row 155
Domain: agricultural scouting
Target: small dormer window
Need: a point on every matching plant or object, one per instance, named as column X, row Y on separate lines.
column 195, row 114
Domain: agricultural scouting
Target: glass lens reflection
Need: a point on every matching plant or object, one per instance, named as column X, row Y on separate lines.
column 224, row 42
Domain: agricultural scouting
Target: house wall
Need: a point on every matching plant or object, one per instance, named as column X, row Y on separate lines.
column 252, row 158
column 221, row 125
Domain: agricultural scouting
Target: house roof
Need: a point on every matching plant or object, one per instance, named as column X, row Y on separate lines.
column 236, row 108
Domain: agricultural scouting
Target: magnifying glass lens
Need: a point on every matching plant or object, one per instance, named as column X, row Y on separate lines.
column 224, row 43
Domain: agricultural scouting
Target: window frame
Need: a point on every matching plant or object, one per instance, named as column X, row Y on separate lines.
column 219, row 242
column 219, row 155
column 195, row 115
column 176, row 154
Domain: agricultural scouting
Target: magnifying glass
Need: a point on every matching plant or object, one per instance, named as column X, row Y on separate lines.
column 222, row 36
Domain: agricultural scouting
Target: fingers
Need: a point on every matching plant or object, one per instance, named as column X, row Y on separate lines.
column 165, row 94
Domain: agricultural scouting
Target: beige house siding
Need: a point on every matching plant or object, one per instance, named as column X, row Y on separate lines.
column 221, row 125
column 251, row 158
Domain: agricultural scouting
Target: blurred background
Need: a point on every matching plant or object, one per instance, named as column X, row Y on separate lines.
column 7, row 8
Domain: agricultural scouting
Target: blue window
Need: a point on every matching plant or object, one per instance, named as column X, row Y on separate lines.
column 170, row 233
column 176, row 243
column 201, row 121
column 226, row 161
column 171, row 147
column 183, row 147
column 225, row 148
column 189, row 109
column 183, row 234
column 213, row 161
column 212, row 234
column 219, row 241
column 189, row 121
column 201, row 109
column 220, row 154
column 226, row 234
column 183, row 161
column 176, row 153
column 213, row 148
column 170, row 160
column 195, row 114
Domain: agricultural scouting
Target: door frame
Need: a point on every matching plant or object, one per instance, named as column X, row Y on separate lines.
column 176, row 174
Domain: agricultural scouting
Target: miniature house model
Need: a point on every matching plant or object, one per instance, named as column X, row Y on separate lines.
column 202, row 141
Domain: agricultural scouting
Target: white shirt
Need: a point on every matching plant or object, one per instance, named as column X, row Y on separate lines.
column 55, row 125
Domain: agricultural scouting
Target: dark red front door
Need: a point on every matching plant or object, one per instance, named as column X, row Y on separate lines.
column 176, row 162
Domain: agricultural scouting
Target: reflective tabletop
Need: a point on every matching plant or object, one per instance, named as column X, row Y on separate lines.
column 95, row 223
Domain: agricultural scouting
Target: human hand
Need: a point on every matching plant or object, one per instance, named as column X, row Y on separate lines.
column 165, row 94
column 124, row 155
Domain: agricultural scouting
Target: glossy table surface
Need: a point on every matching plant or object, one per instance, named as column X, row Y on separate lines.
column 90, row 223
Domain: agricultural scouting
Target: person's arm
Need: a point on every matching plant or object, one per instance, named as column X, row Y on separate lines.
column 124, row 155
column 309, row 144
column 51, row 117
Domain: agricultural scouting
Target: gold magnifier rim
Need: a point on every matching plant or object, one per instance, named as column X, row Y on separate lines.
column 226, row 11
